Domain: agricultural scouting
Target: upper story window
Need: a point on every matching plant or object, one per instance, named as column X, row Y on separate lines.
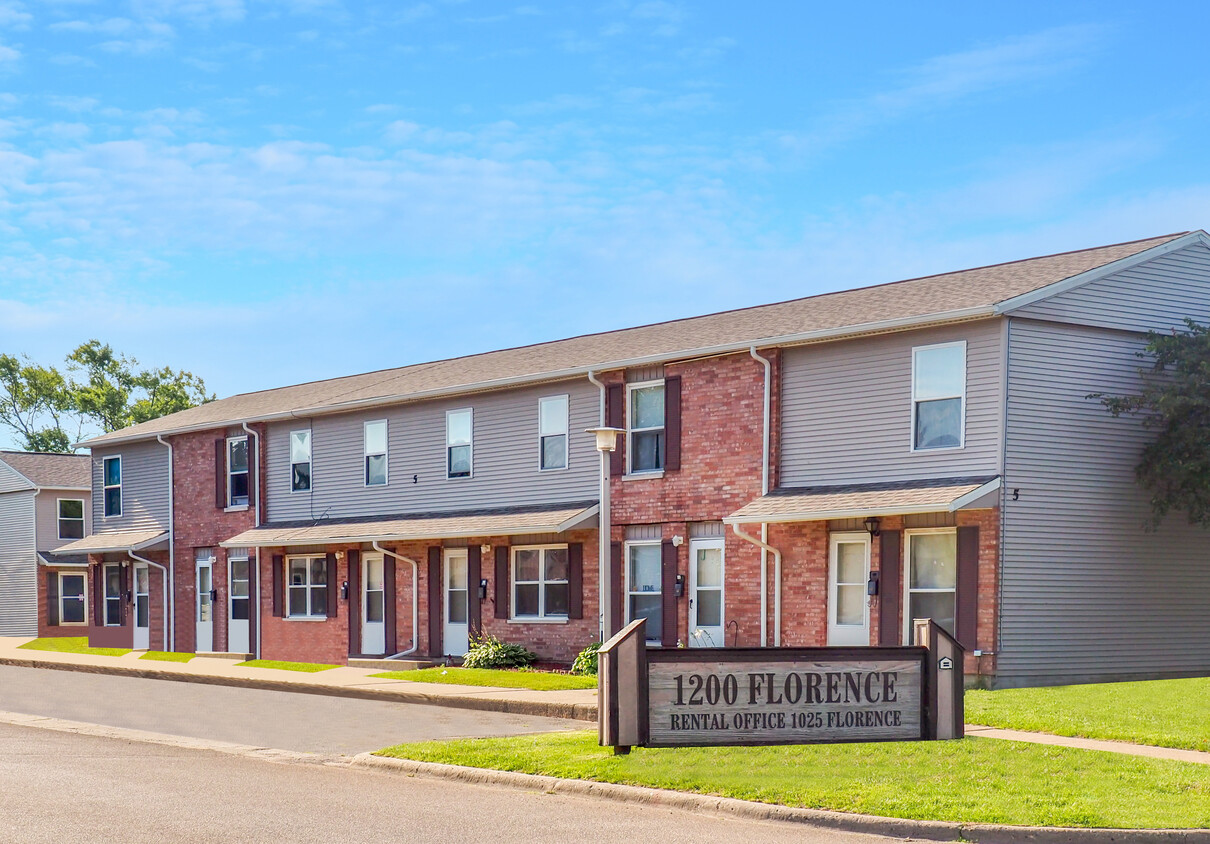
column 111, row 472
column 540, row 587
column 376, row 453
column 938, row 396
column 237, row 471
column 71, row 518
column 459, row 433
column 646, row 426
column 300, row 461
column 552, row 432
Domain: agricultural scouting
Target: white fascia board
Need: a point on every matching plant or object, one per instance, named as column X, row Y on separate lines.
column 821, row 515
column 975, row 494
column 396, row 537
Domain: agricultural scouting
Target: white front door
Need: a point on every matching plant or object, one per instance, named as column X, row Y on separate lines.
column 706, row 593
column 205, row 605
column 373, row 605
column 142, row 607
column 239, row 605
column 455, row 634
column 849, row 569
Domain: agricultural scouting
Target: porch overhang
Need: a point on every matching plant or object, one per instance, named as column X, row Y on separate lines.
column 511, row 521
column 49, row 558
column 900, row 498
column 111, row 543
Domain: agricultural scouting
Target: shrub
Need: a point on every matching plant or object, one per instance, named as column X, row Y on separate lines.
column 586, row 660
column 490, row 652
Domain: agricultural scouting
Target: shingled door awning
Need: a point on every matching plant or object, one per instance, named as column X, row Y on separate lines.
column 511, row 521
column 808, row 504
column 108, row 543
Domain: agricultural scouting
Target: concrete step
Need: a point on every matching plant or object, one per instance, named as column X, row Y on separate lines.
column 390, row 664
column 225, row 655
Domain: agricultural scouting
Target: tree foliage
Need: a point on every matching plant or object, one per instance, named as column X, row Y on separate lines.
column 101, row 392
column 1174, row 403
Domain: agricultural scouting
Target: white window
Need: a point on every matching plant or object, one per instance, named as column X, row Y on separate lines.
column 307, row 585
column 938, row 396
column 540, row 581
column 73, row 600
column 111, row 472
column 644, row 586
column 552, row 432
column 71, row 518
column 376, row 453
column 237, row 471
column 459, row 434
column 239, row 570
column 112, row 575
column 932, row 576
column 300, row 461
column 646, row 424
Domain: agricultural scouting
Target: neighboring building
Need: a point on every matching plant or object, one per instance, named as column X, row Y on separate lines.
column 44, row 504
column 813, row 472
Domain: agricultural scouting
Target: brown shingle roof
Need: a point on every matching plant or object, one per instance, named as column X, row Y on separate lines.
column 850, row 309
column 58, row 471
column 104, row 543
column 881, row 499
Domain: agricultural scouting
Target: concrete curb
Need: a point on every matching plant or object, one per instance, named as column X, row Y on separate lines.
column 748, row 810
column 548, row 709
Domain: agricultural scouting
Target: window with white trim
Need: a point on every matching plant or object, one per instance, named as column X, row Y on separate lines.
column 307, row 587
column 540, row 581
column 459, row 442
column 645, row 420
column 73, row 598
column 237, row 471
column 644, row 587
column 71, row 518
column 375, row 449
column 930, row 587
column 938, row 396
column 552, row 432
column 112, row 575
column 300, row 461
column 111, row 480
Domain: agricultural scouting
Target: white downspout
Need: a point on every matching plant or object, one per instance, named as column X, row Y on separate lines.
column 767, row 548
column 604, row 528
column 764, row 528
column 170, row 642
column 164, row 583
column 415, row 597
column 256, row 549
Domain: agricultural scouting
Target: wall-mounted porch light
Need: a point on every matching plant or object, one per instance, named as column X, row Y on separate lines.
column 872, row 525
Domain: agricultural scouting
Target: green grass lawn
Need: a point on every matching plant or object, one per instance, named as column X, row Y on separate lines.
column 71, row 645
column 1167, row 713
column 973, row 780
column 168, row 656
column 542, row 681
column 308, row 667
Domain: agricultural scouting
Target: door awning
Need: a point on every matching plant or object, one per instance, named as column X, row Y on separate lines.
column 108, row 543
column 509, row 521
column 808, row 504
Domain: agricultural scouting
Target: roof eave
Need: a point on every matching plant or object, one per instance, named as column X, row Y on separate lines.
column 955, row 504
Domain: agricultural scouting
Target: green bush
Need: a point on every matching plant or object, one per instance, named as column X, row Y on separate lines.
column 586, row 660
column 490, row 652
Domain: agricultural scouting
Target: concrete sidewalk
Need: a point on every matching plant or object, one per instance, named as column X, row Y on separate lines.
column 578, row 704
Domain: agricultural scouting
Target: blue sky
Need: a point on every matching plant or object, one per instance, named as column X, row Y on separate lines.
column 272, row 191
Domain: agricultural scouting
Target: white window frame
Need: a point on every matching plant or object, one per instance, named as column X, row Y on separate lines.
column 106, row 597
column 542, row 435
column 83, row 520
column 906, row 603
column 81, row 574
column 366, row 455
column 307, row 587
column 310, row 461
column 449, row 445
column 962, row 412
column 541, row 582
column 231, row 502
column 630, row 430
column 106, row 487
column 654, row 638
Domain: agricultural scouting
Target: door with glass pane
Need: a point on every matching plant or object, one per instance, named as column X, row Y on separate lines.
column 142, row 607
column 706, row 593
column 644, row 582
column 373, row 605
column 848, row 610
column 456, row 633
column 72, row 598
column 205, row 603
column 932, row 579
column 239, row 592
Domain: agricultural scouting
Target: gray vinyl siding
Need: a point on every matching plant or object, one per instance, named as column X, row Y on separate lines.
column 47, row 515
column 1153, row 296
column 18, row 566
column 11, row 480
column 1086, row 592
column 847, row 409
column 505, row 458
column 145, row 475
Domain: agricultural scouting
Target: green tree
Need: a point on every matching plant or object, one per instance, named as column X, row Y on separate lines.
column 1174, row 403
column 35, row 403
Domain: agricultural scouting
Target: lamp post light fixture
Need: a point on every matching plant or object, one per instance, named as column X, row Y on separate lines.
column 607, row 442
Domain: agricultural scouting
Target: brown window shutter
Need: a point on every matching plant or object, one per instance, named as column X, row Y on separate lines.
column 98, row 594
column 220, row 473
column 252, row 467
column 615, row 417
column 124, row 588
column 575, row 580
column 617, row 594
column 355, row 602
column 672, row 423
column 52, row 598
column 966, row 596
column 889, row 552
column 388, row 597
column 474, row 610
column 668, row 590
column 502, row 582
column 279, row 575
column 435, row 602
column 333, row 591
